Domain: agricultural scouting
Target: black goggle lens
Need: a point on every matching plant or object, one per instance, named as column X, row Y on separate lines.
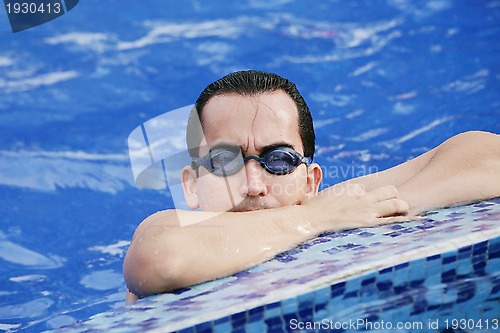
column 228, row 161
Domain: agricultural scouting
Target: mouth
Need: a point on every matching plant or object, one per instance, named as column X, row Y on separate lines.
column 246, row 206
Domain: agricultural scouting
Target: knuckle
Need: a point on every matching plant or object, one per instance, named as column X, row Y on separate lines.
column 400, row 205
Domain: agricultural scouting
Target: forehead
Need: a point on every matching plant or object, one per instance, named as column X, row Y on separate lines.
column 252, row 122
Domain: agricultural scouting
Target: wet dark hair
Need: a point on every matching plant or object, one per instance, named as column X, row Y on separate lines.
column 249, row 83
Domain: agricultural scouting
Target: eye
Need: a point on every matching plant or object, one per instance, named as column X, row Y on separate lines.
column 280, row 160
column 221, row 158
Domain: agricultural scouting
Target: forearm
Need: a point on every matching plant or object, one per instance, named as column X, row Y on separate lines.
column 462, row 169
column 164, row 256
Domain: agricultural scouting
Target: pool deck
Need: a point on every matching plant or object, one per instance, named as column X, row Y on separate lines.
column 439, row 267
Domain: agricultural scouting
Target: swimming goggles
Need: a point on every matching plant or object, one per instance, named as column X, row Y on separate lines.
column 227, row 161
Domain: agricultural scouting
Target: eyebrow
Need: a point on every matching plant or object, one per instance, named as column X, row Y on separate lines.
column 260, row 150
column 275, row 145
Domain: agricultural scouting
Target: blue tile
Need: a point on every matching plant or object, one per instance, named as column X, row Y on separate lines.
column 187, row 330
column 256, row 327
column 450, row 258
column 368, row 281
column 448, row 276
column 238, row 319
column 290, row 305
column 480, row 248
column 306, row 314
column 274, row 324
column 461, row 283
column 401, row 266
column 338, row 289
column 417, row 283
column 272, row 310
column 386, row 270
column 434, row 257
column 384, row 285
column 204, row 327
column 256, row 314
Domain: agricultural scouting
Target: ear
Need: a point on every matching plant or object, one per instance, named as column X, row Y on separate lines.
column 190, row 187
column 314, row 177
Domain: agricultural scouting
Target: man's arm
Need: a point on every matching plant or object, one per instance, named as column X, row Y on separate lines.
column 164, row 256
column 464, row 168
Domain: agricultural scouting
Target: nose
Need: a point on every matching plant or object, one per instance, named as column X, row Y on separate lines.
column 254, row 185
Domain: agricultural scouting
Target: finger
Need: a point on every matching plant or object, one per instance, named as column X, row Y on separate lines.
column 398, row 219
column 384, row 193
column 391, row 207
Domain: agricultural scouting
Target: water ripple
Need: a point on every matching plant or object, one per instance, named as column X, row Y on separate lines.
column 19, row 255
column 43, row 170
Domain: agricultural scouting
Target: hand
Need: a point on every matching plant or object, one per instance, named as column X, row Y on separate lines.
column 349, row 206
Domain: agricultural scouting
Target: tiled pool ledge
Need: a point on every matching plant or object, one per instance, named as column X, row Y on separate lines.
column 445, row 267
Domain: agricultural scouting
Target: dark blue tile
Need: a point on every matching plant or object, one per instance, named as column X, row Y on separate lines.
column 333, row 250
column 239, row 329
column 256, row 314
column 495, row 285
column 466, row 291
column 494, row 253
column 384, row 285
column 479, row 266
column 204, row 327
column 448, row 276
column 186, row 330
column 494, row 244
column 424, row 226
column 337, row 289
column 320, row 306
column 306, row 314
column 237, row 319
column 276, row 329
column 306, row 304
column 274, row 323
column 465, row 249
column 480, row 247
column 351, row 294
column 273, row 305
column 289, row 316
column 434, row 257
column 449, row 259
column 401, row 266
column 387, row 270
column 401, row 288
column 349, row 246
column 419, row 306
column 368, row 281
column 397, row 227
column 221, row 321
column 284, row 258
column 417, row 283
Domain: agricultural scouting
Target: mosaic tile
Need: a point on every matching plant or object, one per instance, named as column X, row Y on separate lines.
column 445, row 266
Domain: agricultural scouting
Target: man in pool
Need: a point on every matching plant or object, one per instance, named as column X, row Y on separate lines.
column 258, row 191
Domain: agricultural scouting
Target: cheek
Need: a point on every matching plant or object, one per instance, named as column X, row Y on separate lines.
column 215, row 194
column 289, row 189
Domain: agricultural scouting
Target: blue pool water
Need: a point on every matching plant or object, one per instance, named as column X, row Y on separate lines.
column 385, row 80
